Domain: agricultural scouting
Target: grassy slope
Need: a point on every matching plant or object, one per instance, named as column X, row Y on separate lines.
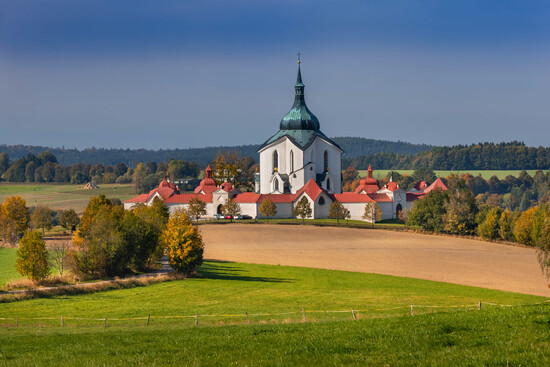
column 502, row 337
column 7, row 266
column 235, row 288
column 63, row 196
column 486, row 174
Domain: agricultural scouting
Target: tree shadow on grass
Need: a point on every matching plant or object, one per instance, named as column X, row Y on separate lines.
column 211, row 270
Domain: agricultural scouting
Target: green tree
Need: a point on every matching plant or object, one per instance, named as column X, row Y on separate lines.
column 32, row 257
column 196, row 208
column 336, row 211
column 268, row 208
column 231, row 208
column 183, row 243
column 141, row 231
column 302, row 209
column 428, row 212
column 41, row 217
column 69, row 219
column 4, row 163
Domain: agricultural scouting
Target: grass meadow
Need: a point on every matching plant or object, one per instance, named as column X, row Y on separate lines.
column 109, row 328
column 63, row 196
column 486, row 174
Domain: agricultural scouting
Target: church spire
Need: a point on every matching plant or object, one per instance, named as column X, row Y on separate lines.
column 299, row 117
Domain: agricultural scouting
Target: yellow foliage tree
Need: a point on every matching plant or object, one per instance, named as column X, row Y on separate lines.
column 183, row 243
column 523, row 225
column 14, row 218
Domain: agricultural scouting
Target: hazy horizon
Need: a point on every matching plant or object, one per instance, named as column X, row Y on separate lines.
column 191, row 75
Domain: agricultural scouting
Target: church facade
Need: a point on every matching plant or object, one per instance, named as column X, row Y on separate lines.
column 298, row 161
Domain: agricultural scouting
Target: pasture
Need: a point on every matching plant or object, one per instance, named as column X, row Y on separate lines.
column 63, row 196
column 486, row 174
column 384, row 332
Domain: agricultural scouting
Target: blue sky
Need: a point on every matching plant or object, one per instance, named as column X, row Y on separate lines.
column 178, row 74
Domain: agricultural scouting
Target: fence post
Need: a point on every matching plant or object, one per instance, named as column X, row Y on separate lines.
column 353, row 314
column 62, row 323
column 247, row 318
column 480, row 305
column 303, row 315
column 196, row 319
column 148, row 318
column 412, row 312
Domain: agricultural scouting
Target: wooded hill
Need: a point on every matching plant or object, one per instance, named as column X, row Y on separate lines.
column 353, row 147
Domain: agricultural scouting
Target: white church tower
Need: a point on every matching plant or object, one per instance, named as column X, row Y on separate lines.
column 298, row 153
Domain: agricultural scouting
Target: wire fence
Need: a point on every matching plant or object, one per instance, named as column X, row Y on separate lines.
column 303, row 315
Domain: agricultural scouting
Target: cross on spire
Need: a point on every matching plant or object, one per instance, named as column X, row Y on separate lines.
column 299, row 54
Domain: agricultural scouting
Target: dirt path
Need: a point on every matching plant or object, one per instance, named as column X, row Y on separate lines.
column 439, row 258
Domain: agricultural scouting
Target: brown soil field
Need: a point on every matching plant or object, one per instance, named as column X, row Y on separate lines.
column 439, row 258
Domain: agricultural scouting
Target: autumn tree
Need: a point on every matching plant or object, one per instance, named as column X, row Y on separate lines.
column 336, row 211
column 196, row 208
column 505, row 226
column 69, row 219
column 303, row 209
column 41, row 217
column 231, row 208
column 183, row 243
column 13, row 218
column 543, row 248
column 229, row 168
column 460, row 212
column 94, row 205
column 372, row 213
column 522, row 227
column 268, row 208
column 32, row 257
column 489, row 228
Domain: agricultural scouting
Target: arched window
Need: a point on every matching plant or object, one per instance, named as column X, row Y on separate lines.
column 291, row 161
column 275, row 161
column 276, row 185
column 321, row 201
column 328, row 183
column 325, row 161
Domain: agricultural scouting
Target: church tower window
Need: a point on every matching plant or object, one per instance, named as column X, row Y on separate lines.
column 328, row 183
column 291, row 161
column 275, row 161
column 321, row 201
column 325, row 161
column 276, row 185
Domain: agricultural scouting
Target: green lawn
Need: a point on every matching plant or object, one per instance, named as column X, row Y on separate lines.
column 517, row 336
column 486, row 174
column 7, row 266
column 225, row 288
column 63, row 196
column 385, row 332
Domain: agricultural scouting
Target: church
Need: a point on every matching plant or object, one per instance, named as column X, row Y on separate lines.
column 298, row 161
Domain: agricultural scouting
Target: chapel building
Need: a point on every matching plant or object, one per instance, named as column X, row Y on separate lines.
column 298, row 161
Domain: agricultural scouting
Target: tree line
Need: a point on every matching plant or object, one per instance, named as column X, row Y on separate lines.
column 456, row 211
column 482, row 156
column 45, row 168
column 353, row 146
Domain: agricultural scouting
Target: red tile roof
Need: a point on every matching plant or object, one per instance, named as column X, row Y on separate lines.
column 311, row 189
column 380, row 198
column 392, row 186
column 247, row 197
column 184, row 198
column 351, row 197
column 437, row 184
